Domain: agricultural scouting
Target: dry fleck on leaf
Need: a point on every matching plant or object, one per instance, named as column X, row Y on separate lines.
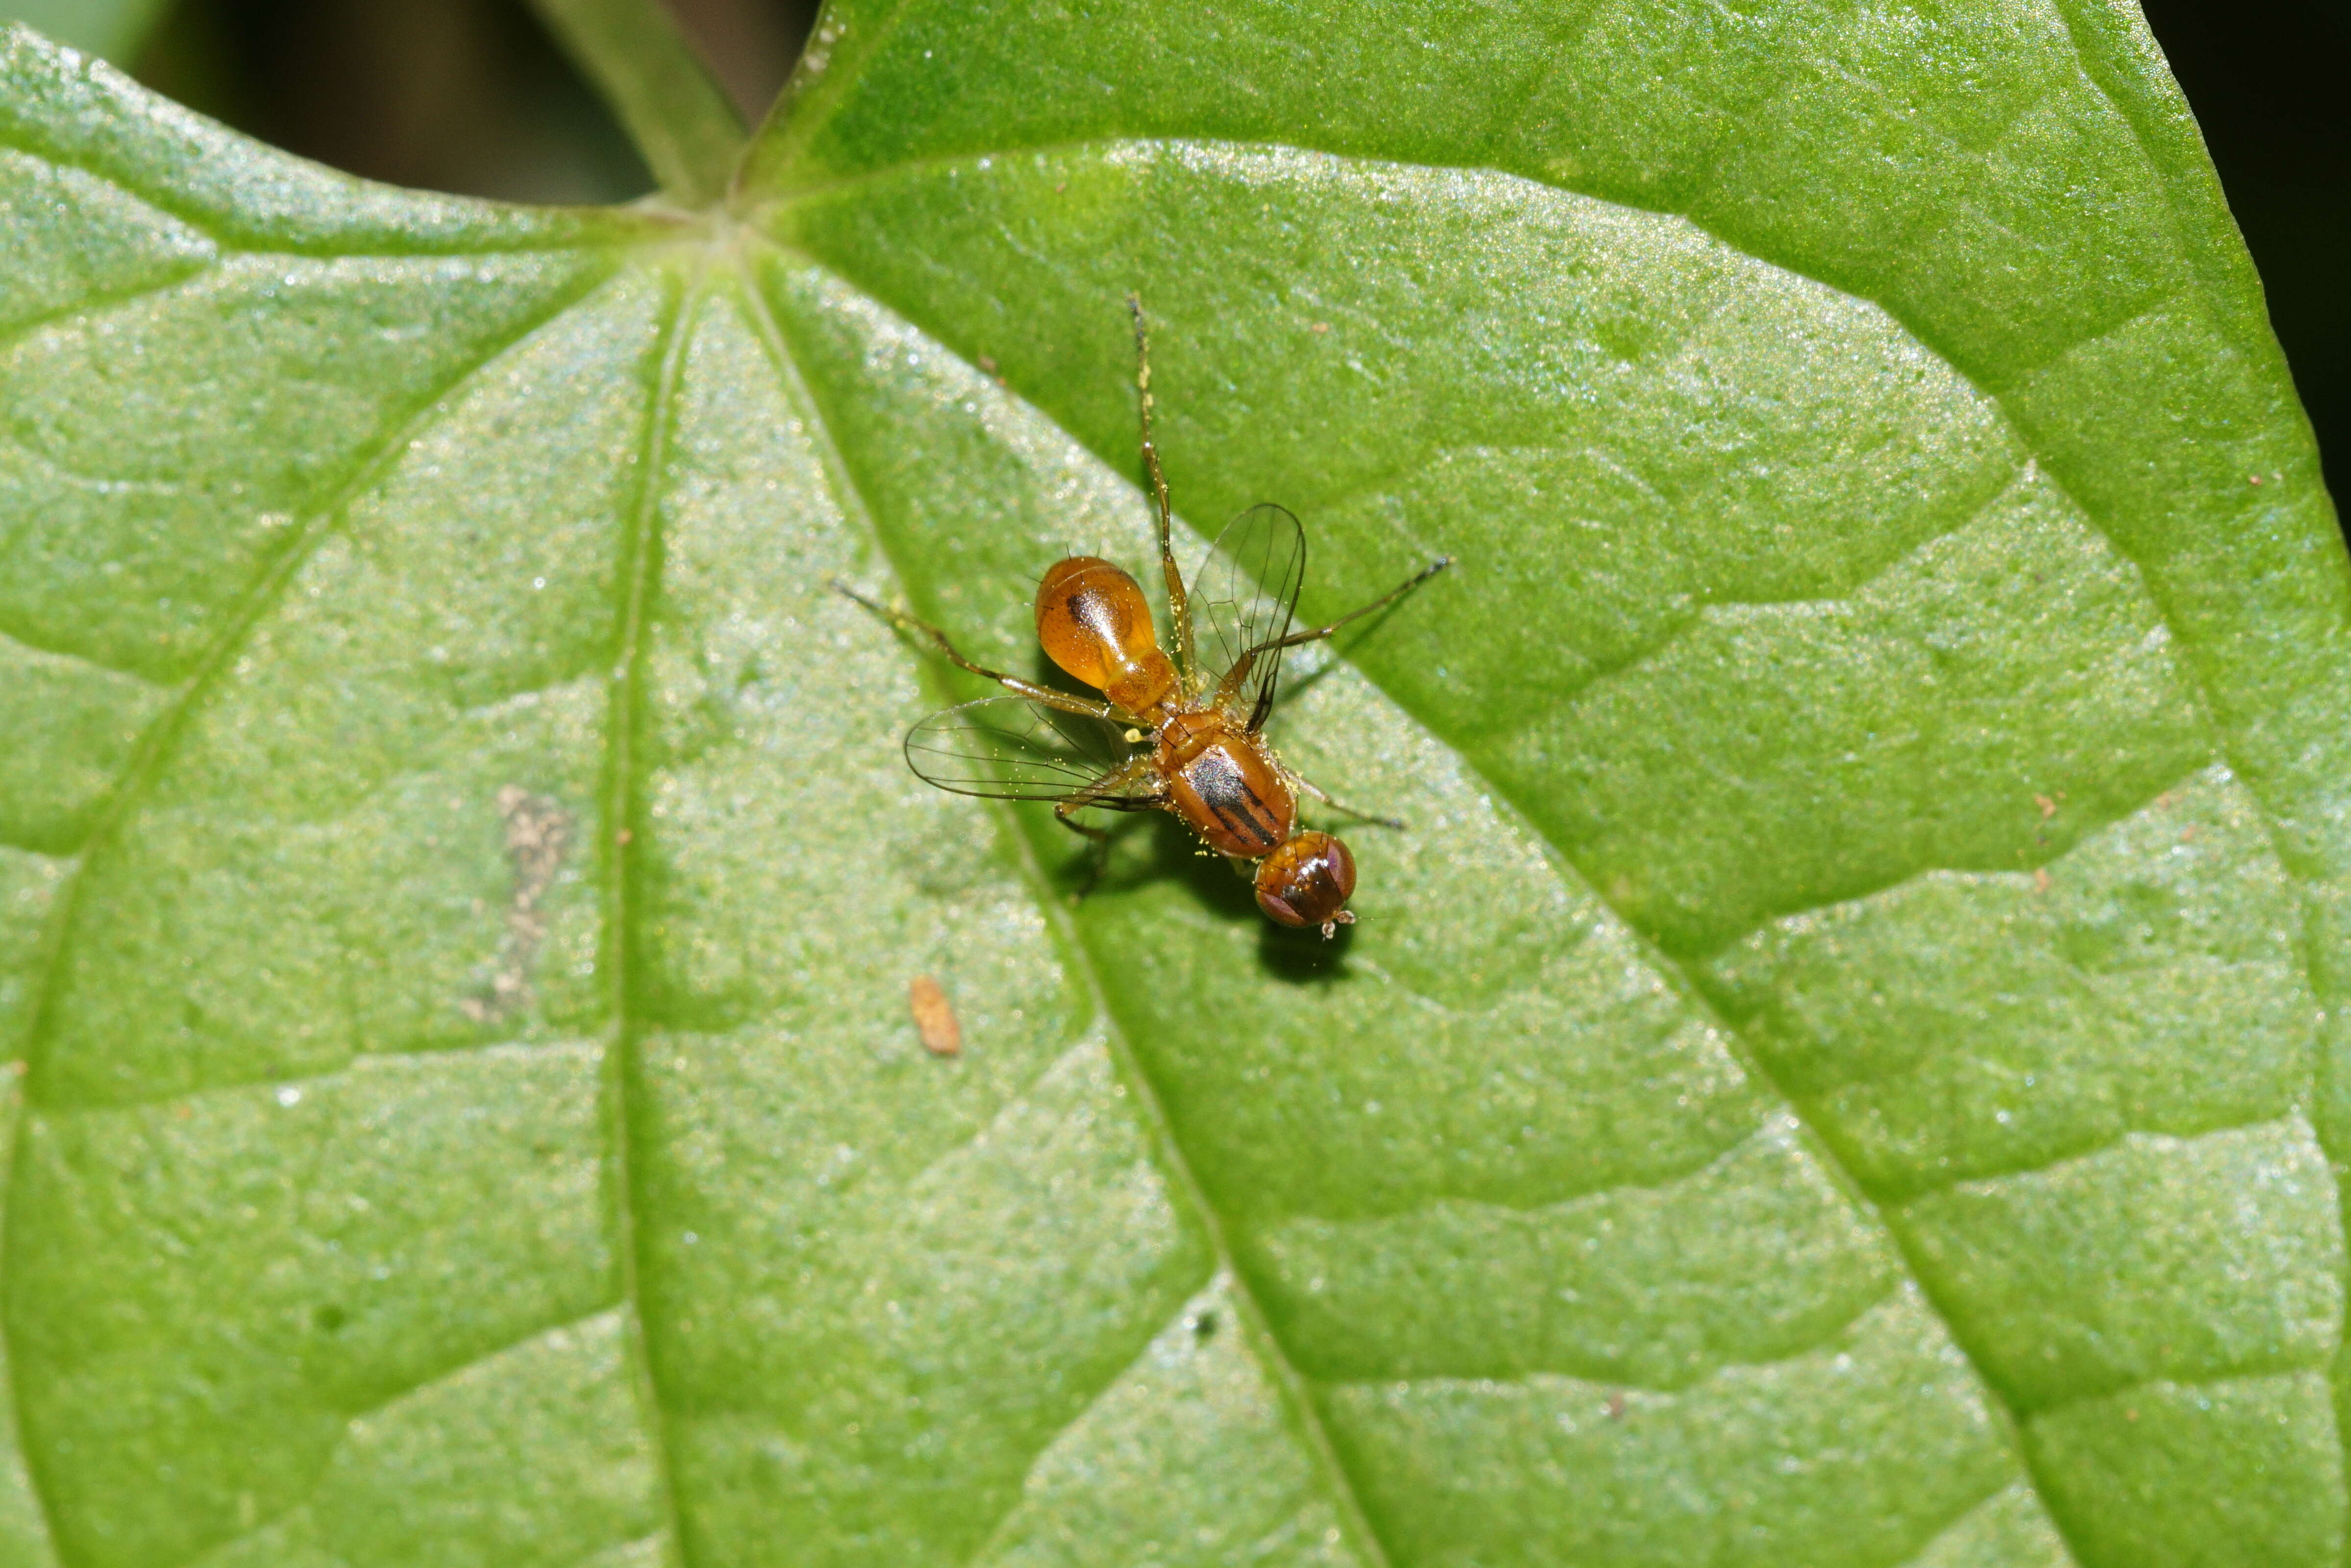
column 934, row 1019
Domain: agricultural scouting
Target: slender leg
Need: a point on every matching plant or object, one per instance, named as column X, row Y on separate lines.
column 1237, row 676
column 947, row 650
column 1179, row 603
column 1317, row 790
column 1117, row 782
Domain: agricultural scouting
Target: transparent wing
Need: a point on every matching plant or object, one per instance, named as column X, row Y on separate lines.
column 1243, row 597
column 1010, row 749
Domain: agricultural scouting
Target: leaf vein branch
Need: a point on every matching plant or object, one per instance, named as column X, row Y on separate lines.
column 324, row 1074
column 105, row 300
column 323, row 1467
column 14, row 637
column 1600, row 1377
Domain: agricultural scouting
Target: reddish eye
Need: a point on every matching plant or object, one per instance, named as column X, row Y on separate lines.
column 1307, row 881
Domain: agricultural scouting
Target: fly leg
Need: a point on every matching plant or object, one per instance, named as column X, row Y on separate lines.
column 1319, row 794
column 1237, row 676
column 925, row 632
column 1179, row 604
column 1120, row 783
column 1098, row 862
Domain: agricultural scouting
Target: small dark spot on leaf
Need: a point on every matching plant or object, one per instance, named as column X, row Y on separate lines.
column 1204, row 1327
column 328, row 1318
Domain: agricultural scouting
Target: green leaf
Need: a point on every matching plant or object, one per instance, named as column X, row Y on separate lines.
column 1842, row 1068
column 112, row 29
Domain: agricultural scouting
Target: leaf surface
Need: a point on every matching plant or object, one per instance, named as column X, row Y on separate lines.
column 1838, row 1069
column 112, row 29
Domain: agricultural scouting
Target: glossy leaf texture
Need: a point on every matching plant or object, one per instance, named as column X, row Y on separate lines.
column 1840, row 1068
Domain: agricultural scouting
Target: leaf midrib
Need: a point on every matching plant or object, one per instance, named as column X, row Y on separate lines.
column 640, row 557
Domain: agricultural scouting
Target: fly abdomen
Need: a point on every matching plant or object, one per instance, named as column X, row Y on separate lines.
column 1095, row 622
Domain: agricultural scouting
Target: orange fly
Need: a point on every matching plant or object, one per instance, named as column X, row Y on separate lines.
column 1170, row 734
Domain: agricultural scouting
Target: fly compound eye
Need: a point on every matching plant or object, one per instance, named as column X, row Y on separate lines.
column 1307, row 881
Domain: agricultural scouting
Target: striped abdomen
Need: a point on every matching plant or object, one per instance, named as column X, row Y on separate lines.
column 1222, row 784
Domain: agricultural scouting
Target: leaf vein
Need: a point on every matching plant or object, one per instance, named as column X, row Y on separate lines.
column 640, row 556
column 105, row 300
column 1715, row 1370
column 2090, row 826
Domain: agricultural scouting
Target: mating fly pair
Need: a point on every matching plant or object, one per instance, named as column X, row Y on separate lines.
column 1176, row 735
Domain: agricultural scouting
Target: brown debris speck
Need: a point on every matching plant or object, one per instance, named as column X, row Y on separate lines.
column 935, row 1020
column 2041, row 879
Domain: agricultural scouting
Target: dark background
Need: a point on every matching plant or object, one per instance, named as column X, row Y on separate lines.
column 470, row 96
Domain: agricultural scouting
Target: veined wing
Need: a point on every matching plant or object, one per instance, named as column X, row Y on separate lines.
column 1245, row 594
column 1011, row 749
